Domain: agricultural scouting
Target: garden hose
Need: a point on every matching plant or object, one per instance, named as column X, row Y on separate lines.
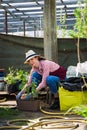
column 14, row 94
column 10, row 122
column 2, row 100
column 63, row 125
column 54, row 113
column 51, row 117
column 9, row 127
column 44, row 122
column 57, row 125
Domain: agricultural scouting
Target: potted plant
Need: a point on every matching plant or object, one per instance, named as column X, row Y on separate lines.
column 15, row 80
column 31, row 104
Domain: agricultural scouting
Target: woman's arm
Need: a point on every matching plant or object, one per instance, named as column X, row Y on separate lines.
column 24, row 88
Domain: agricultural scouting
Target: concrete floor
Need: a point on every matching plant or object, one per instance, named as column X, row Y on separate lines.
column 45, row 113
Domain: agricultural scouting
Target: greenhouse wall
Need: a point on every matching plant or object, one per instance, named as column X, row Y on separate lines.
column 13, row 48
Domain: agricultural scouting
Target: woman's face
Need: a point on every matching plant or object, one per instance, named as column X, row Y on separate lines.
column 34, row 62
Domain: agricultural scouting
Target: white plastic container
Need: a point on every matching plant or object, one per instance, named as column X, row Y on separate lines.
column 1, row 79
column 1, row 86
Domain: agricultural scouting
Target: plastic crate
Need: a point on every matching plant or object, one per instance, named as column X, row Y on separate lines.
column 28, row 105
column 70, row 99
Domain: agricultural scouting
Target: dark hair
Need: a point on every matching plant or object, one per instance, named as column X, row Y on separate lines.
column 41, row 58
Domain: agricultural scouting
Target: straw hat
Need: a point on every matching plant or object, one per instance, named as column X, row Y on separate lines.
column 30, row 54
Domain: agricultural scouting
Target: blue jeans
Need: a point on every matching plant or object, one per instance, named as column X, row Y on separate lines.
column 51, row 81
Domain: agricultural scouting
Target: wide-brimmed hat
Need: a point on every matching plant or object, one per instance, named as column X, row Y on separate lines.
column 30, row 54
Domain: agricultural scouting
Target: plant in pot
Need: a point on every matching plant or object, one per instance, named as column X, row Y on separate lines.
column 15, row 80
column 30, row 92
column 29, row 100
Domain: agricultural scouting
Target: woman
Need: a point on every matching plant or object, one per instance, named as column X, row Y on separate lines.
column 44, row 73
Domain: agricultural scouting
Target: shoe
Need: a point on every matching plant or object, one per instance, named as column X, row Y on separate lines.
column 54, row 105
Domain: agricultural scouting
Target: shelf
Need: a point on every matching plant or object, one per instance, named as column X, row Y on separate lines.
column 3, row 92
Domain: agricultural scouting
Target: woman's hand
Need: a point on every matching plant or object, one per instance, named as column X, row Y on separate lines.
column 37, row 90
column 23, row 96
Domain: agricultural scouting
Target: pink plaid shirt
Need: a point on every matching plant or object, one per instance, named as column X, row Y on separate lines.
column 45, row 68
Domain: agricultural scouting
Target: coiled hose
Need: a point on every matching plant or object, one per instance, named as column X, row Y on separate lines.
column 45, row 122
column 2, row 99
column 60, row 124
column 11, row 125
